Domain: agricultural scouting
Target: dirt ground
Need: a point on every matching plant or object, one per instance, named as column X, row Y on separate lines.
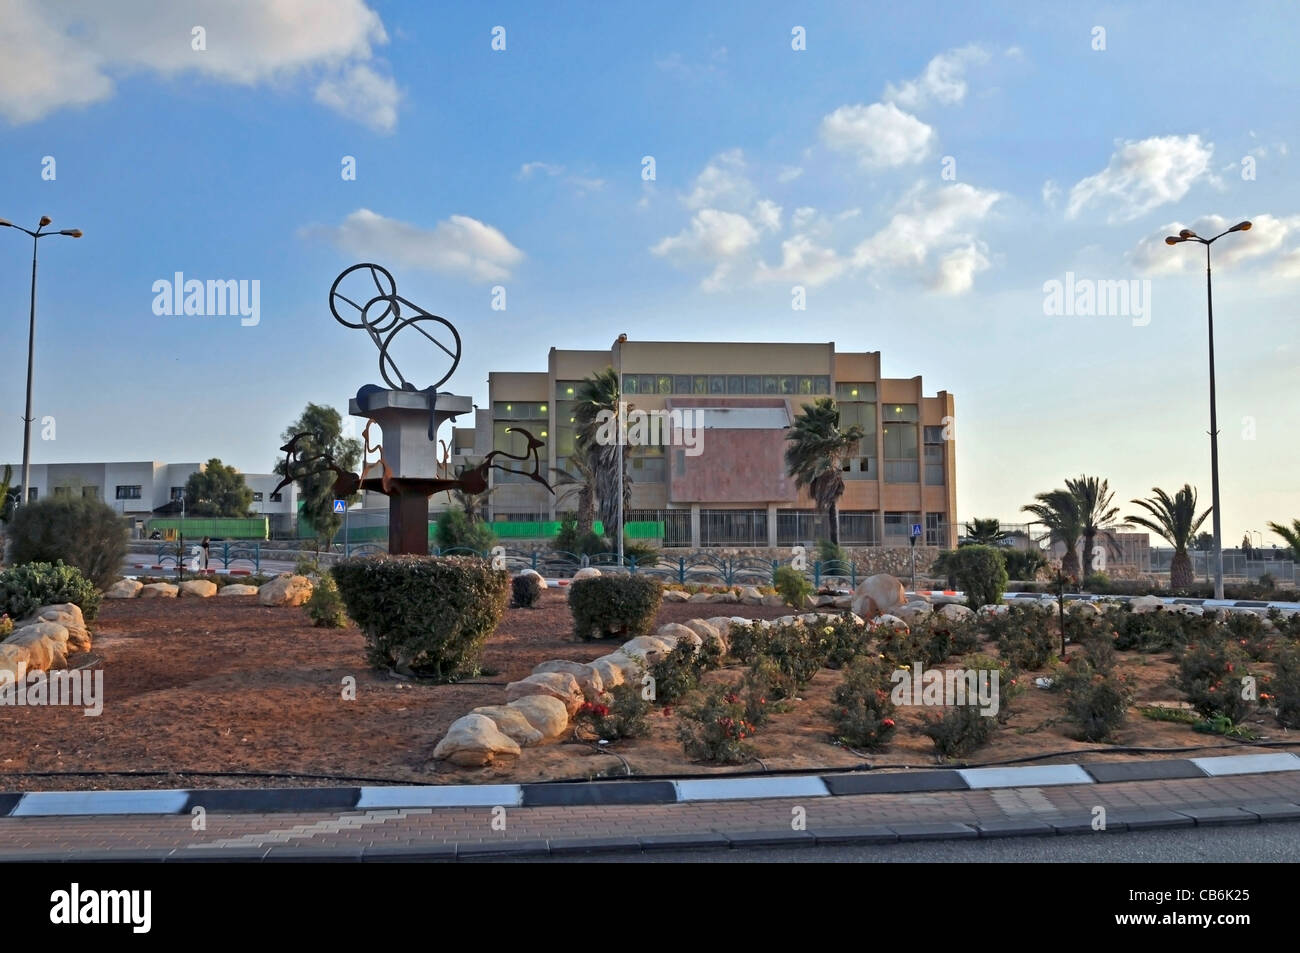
column 227, row 685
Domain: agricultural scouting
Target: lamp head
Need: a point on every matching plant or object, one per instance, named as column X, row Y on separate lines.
column 71, row 232
column 45, row 220
column 1240, row 227
column 5, row 223
column 1186, row 233
column 1171, row 240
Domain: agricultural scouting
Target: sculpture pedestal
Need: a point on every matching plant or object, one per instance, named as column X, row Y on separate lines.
column 405, row 417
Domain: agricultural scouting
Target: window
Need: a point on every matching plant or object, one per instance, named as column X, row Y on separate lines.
column 664, row 384
column 127, row 492
column 717, row 384
column 935, row 530
column 735, row 384
column 904, row 412
column 519, row 410
column 859, row 528
column 898, row 527
column 934, row 459
column 805, row 385
column 60, row 491
column 934, row 435
column 177, row 493
column 681, row 384
column 770, row 385
column 257, row 496
column 855, row 391
column 649, row 469
column 786, row 385
column 567, row 390
column 701, row 384
column 90, row 492
column 646, row 382
column 733, row 527
column 630, row 384
column 901, row 453
column 753, row 384
column 277, row 497
column 32, row 494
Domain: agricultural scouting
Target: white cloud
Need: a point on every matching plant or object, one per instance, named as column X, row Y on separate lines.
column 528, row 168
column 943, row 81
column 714, row 236
column 55, row 55
column 930, row 223
column 723, row 183
column 1142, row 176
column 805, row 262
column 1267, row 235
column 1051, row 192
column 789, row 173
column 459, row 245
column 803, row 217
column 582, row 184
column 881, row 135
column 363, row 95
column 767, row 215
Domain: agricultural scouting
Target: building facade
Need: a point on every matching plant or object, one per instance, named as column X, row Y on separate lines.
column 724, row 482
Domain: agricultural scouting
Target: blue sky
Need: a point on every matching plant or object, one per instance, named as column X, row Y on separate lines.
column 774, row 167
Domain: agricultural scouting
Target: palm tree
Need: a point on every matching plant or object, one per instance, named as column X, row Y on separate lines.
column 1289, row 533
column 815, row 456
column 474, row 504
column 986, row 532
column 1176, row 521
column 1058, row 510
column 598, row 398
column 581, row 480
column 1096, row 514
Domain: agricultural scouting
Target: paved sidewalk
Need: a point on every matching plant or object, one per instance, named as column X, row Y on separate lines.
column 504, row 830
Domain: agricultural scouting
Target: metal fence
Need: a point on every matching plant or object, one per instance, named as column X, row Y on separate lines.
column 1235, row 566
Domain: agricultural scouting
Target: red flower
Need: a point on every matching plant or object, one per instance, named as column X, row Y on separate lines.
column 888, row 723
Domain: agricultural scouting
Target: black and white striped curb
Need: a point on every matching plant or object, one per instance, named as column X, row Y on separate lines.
column 597, row 793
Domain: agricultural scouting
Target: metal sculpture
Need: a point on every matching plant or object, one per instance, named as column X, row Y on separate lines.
column 419, row 474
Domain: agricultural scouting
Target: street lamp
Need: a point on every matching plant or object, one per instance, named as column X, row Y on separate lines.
column 31, row 344
column 618, row 347
column 1187, row 235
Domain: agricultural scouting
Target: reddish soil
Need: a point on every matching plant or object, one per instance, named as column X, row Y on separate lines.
column 227, row 685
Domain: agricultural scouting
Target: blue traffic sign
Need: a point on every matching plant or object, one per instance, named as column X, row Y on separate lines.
column 916, row 530
column 340, row 506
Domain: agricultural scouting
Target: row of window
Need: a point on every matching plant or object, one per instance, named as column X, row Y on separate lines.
column 777, row 385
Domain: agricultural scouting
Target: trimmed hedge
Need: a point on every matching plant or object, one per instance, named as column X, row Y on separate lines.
column 981, row 572
column 80, row 531
column 609, row 606
column 424, row 615
column 25, row 588
column 526, row 591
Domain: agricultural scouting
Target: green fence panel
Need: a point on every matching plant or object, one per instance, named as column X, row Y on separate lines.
column 214, row 527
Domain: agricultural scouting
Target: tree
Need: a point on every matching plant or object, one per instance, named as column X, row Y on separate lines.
column 815, row 456
column 474, row 504
column 1096, row 514
column 323, row 430
column 217, row 490
column 1175, row 520
column 1058, row 510
column 985, row 532
column 1289, row 533
column 1204, row 543
column 81, row 531
column 579, row 480
column 598, row 398
column 8, row 494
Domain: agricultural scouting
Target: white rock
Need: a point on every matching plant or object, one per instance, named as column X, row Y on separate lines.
column 541, row 581
column 676, row 595
column 548, row 715
column 882, row 591
column 158, row 590
column 1083, row 610
column 773, row 600
column 709, row 633
column 985, row 611
column 589, row 680
column 203, row 588
column 511, row 723
column 751, row 596
column 285, row 590
column 913, row 611
column 473, row 741
column 955, row 612
column 586, row 572
column 616, row 668
column 561, row 686
column 1145, row 604
column 647, row 647
column 675, row 632
column 124, row 589
column 891, row 622
column 237, row 589
column 68, row 615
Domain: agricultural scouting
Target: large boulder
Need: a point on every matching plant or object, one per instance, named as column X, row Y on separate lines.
column 124, row 589
column 158, row 590
column 676, row 595
column 473, row 741
column 203, row 588
column 548, row 715
column 773, row 600
column 1145, row 604
column 985, row 611
column 586, row 572
column 285, row 590
column 617, row 668
column 647, row 647
column 541, row 580
column 701, row 597
column 710, row 633
column 955, row 613
column 511, row 723
column 674, row 632
column 238, row 589
column 888, row 621
column 879, row 593
column 913, row 612
column 750, row 596
column 589, row 680
column 46, row 644
column 68, row 615
column 561, row 686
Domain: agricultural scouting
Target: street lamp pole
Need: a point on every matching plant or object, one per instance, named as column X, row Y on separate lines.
column 1187, row 235
column 31, row 346
column 620, row 437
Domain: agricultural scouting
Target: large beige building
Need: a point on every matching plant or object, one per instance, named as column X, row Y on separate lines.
column 727, row 485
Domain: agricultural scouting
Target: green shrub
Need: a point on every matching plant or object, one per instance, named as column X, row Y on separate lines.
column 1284, row 687
column 759, row 697
column 1247, row 630
column 799, row 651
column 646, row 556
column 937, row 638
column 1024, row 564
column 776, row 684
column 1209, row 673
column 846, row 640
column 25, row 588
column 1009, row 683
column 1096, row 700
column 526, row 591
column 326, row 605
column 77, row 530
column 423, row 615
column 457, row 531
column 624, row 717
column 835, row 561
column 981, row 573
column 676, row 672
column 1030, row 647
column 714, row 730
column 614, row 606
column 747, row 642
column 944, row 567
column 1097, row 582
column 6, row 627
column 1158, row 631
column 570, row 540
column 793, row 588
column 899, row 646
column 960, row 730
column 861, row 707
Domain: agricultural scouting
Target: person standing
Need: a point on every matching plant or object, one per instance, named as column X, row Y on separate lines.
column 204, row 544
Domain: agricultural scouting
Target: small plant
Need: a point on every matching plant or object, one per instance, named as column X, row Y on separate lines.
column 776, row 684
column 618, row 606
column 1223, row 725
column 25, row 588
column 793, row 588
column 626, row 715
column 1097, row 702
column 1097, row 582
column 1209, row 673
column 799, row 651
column 1179, row 716
column 835, row 561
column 981, row 572
column 898, row 645
column 862, row 710
column 676, row 672
column 1285, row 687
column 456, row 530
column 1158, row 631
column 847, row 640
column 960, row 730
column 326, row 605
column 715, row 729
column 525, row 591
column 6, row 627
column 1247, row 630
column 748, row 642
column 1024, row 564
column 646, row 556
column 1028, row 648
column 756, row 692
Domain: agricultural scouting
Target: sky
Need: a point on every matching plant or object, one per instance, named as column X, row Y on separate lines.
column 920, row 174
